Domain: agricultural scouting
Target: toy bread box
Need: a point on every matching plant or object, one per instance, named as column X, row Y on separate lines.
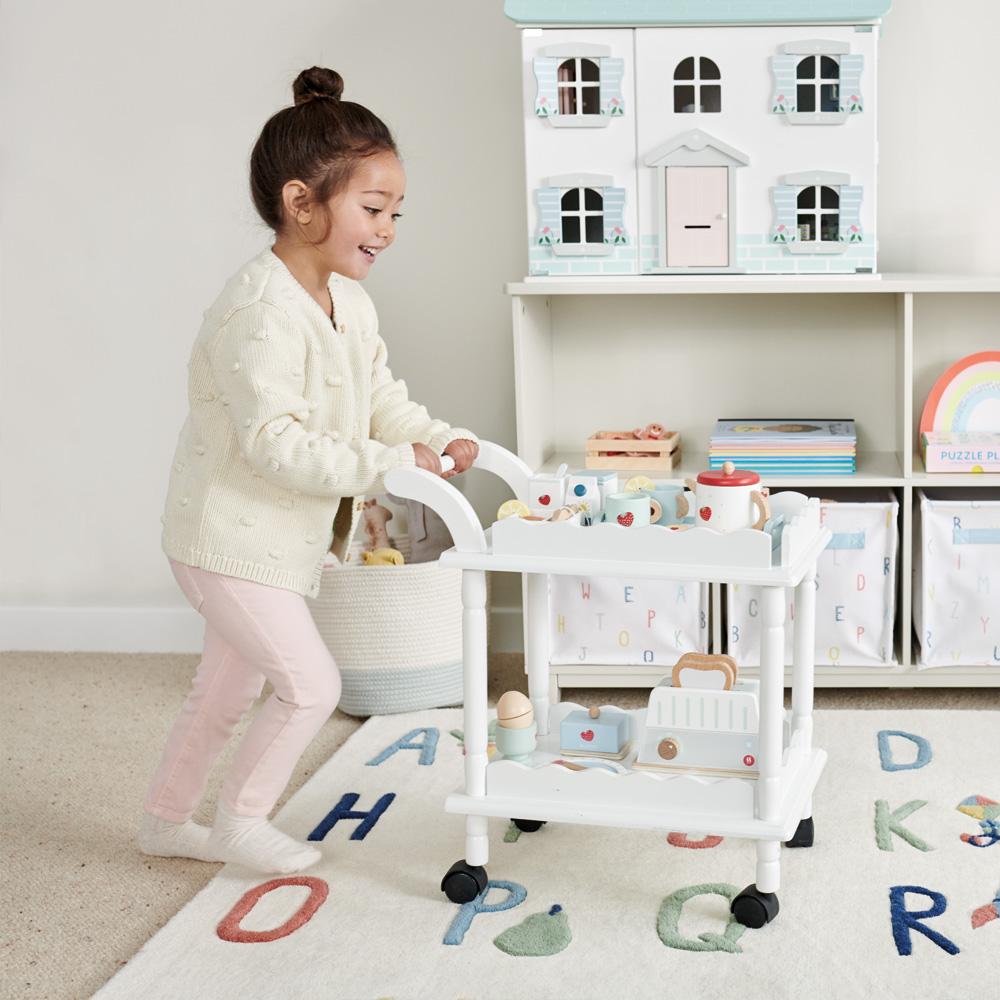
column 702, row 720
column 595, row 733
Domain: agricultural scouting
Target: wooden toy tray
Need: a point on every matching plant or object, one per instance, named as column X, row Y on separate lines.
column 611, row 453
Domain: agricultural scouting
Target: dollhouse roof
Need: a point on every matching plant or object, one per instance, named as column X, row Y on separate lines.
column 638, row 12
column 697, row 141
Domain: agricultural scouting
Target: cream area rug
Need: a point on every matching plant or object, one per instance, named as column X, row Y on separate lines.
column 898, row 898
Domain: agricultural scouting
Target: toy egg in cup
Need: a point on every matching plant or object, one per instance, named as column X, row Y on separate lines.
column 516, row 728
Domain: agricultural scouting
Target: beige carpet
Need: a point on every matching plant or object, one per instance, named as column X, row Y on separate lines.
column 81, row 734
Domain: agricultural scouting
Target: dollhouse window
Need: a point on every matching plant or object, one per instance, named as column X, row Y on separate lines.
column 818, row 217
column 817, row 84
column 582, row 212
column 693, row 92
column 579, row 87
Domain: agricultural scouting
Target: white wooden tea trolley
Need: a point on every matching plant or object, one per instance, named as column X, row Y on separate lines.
column 772, row 807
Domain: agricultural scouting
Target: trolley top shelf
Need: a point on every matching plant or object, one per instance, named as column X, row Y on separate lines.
column 709, row 562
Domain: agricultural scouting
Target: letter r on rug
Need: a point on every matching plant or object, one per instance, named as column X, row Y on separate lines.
column 343, row 810
column 903, row 920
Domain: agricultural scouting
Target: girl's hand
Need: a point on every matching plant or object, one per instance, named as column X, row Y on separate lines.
column 464, row 453
column 426, row 458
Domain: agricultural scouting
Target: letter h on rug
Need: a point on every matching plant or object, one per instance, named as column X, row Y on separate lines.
column 343, row 810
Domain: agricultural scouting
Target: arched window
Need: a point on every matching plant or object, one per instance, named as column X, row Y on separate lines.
column 691, row 91
column 817, row 84
column 819, row 214
column 579, row 84
column 582, row 211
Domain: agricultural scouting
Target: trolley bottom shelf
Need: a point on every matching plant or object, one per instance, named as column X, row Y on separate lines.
column 639, row 800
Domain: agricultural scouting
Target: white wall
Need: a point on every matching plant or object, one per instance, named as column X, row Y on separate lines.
column 127, row 130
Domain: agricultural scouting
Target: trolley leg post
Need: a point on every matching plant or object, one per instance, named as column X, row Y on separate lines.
column 772, row 671
column 803, row 672
column 474, row 679
column 768, row 871
column 536, row 645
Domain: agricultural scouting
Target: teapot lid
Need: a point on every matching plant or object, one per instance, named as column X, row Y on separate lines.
column 728, row 475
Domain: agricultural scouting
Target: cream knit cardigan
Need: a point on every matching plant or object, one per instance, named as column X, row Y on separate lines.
column 292, row 421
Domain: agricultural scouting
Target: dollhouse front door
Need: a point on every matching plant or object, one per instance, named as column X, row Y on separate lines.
column 697, row 222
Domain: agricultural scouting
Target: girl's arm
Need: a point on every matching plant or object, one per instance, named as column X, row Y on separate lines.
column 258, row 361
column 396, row 418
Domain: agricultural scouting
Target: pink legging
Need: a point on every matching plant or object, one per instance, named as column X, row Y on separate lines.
column 253, row 633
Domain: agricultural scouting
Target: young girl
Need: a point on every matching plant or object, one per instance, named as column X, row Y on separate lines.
column 294, row 418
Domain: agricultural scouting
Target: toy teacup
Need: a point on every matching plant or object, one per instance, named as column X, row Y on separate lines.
column 631, row 510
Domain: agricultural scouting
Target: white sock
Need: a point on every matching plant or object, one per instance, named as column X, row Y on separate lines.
column 164, row 839
column 254, row 842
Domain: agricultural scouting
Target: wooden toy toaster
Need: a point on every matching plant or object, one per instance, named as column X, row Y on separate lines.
column 711, row 728
column 593, row 732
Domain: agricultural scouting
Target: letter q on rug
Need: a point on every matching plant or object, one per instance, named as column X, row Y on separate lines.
column 903, row 873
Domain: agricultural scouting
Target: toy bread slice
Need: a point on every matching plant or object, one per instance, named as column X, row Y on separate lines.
column 705, row 670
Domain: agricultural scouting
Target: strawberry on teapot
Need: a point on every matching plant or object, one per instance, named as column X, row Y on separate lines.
column 727, row 499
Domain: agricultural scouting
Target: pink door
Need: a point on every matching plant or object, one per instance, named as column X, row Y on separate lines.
column 697, row 216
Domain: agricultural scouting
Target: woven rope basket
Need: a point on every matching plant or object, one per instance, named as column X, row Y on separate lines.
column 396, row 634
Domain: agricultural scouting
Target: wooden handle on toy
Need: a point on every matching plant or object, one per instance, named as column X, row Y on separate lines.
column 760, row 502
column 709, row 662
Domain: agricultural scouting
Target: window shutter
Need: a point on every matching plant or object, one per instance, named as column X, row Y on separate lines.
column 850, row 83
column 549, row 217
column 614, row 216
column 547, row 98
column 850, row 213
column 783, row 99
column 785, row 197
column 612, row 71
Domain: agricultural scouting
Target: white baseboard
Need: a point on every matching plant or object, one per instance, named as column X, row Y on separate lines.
column 156, row 630
column 101, row 630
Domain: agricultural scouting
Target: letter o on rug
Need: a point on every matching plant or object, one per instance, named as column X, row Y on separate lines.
column 229, row 927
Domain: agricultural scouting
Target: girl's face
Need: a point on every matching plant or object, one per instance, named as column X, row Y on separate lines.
column 363, row 216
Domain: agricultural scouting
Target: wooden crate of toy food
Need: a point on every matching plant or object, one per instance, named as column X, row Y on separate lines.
column 628, row 453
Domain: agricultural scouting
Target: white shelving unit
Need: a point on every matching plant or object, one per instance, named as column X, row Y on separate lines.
column 594, row 354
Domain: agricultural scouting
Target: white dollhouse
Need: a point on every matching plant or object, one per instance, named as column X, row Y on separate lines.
column 700, row 136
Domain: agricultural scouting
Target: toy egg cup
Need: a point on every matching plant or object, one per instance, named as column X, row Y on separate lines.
column 517, row 744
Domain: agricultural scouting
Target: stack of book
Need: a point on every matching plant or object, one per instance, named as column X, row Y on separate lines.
column 956, row 451
column 785, row 447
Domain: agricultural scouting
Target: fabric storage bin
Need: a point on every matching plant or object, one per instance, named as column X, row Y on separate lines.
column 395, row 631
column 626, row 621
column 956, row 577
column 396, row 634
column 855, row 588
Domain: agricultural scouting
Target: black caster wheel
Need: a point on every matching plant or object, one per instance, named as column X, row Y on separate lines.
column 463, row 882
column 803, row 836
column 528, row 825
column 753, row 908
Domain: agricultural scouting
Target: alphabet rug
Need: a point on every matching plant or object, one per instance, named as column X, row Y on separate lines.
column 898, row 897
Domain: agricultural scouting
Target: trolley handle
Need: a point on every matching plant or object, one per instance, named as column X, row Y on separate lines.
column 448, row 503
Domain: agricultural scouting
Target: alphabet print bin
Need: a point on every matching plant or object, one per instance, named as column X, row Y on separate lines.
column 855, row 589
column 626, row 621
column 956, row 577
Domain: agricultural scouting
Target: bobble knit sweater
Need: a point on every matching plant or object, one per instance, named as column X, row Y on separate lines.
column 293, row 419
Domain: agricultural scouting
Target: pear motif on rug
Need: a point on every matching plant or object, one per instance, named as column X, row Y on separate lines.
column 540, row 934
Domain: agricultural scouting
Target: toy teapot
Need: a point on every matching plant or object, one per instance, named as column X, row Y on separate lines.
column 727, row 499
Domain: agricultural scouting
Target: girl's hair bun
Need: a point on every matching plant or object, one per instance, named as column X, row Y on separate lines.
column 317, row 83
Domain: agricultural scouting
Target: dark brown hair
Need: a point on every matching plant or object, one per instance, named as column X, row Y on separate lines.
column 319, row 141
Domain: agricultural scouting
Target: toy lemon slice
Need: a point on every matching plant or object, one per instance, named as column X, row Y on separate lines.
column 512, row 508
column 638, row 484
